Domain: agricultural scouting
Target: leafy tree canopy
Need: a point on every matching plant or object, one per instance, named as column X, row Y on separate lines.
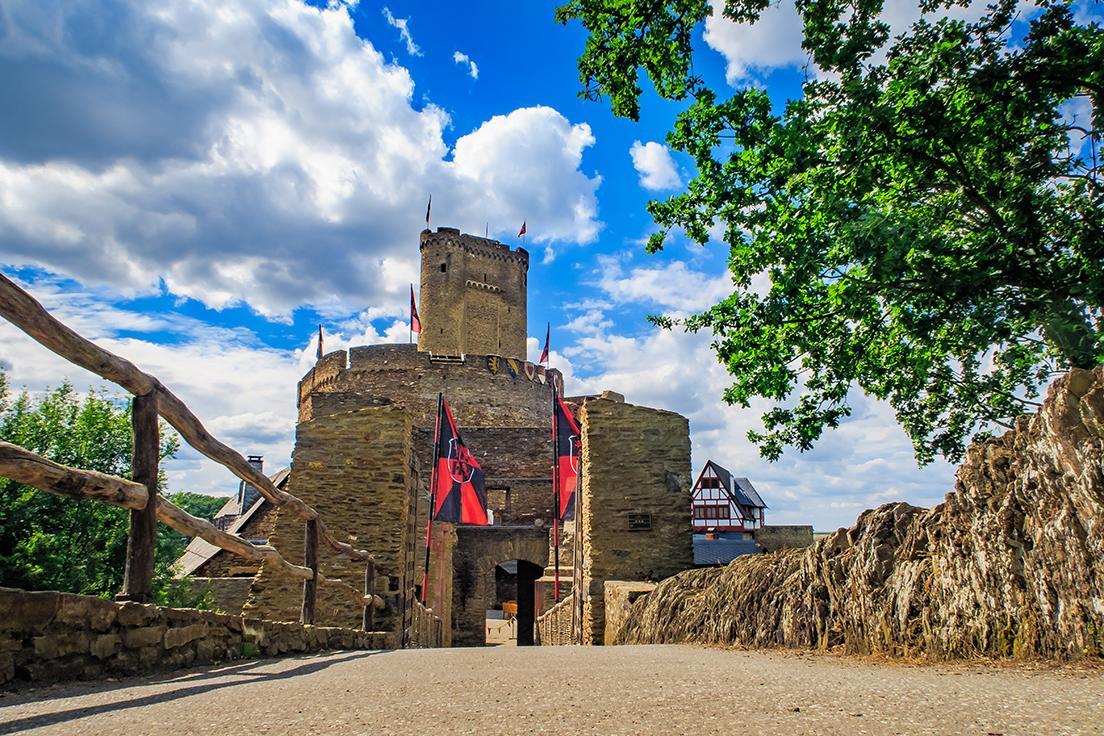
column 53, row 543
column 929, row 225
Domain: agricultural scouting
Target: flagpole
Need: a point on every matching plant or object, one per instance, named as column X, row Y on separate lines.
column 410, row 317
column 432, row 497
column 555, row 498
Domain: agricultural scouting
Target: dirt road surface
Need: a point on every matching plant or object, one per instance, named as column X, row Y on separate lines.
column 567, row 690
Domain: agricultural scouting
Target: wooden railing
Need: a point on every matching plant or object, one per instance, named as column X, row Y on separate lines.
column 556, row 626
column 426, row 631
column 153, row 399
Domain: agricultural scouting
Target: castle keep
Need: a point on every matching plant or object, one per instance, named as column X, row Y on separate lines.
column 363, row 453
column 473, row 295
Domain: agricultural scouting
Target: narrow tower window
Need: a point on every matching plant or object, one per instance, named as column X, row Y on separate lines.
column 443, row 268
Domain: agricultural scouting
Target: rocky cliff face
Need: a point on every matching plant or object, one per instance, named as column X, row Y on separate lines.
column 1011, row 564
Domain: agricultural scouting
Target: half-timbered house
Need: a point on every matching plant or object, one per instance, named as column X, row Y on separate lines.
column 725, row 503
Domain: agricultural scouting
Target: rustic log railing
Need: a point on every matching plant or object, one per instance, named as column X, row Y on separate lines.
column 426, row 631
column 151, row 399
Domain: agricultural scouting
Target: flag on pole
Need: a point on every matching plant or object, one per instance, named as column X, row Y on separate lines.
column 460, row 496
column 429, row 206
column 415, row 323
column 547, row 337
column 567, row 459
column 522, row 231
column 319, row 342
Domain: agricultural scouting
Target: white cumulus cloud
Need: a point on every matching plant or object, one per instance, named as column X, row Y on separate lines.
column 499, row 161
column 403, row 24
column 655, row 166
column 465, row 60
column 256, row 152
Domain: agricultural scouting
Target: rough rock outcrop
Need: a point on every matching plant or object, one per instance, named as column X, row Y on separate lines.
column 1011, row 564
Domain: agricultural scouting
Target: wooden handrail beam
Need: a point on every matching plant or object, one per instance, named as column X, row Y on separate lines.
column 24, row 311
column 34, row 470
column 24, row 466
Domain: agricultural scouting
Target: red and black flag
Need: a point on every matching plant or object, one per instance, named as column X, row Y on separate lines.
column 429, row 206
column 415, row 323
column 319, row 342
column 459, row 494
column 522, row 231
column 567, row 459
column 547, row 337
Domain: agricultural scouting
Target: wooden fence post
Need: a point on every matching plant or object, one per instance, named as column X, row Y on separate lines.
column 369, row 589
column 138, row 575
column 310, row 559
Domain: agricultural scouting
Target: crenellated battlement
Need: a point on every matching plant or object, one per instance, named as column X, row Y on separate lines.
column 483, row 390
column 450, row 237
column 473, row 295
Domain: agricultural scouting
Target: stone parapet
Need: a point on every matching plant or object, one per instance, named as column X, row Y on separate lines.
column 51, row 637
column 774, row 537
column 482, row 390
column 620, row 595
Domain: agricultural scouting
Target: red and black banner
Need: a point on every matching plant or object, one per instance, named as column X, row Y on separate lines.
column 415, row 323
column 460, row 494
column 567, row 459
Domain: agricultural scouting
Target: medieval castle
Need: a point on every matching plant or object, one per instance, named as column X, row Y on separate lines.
column 363, row 453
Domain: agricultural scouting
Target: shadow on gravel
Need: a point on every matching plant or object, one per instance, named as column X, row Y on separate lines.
column 242, row 673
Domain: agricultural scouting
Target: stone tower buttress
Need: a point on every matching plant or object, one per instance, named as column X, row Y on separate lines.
column 473, row 297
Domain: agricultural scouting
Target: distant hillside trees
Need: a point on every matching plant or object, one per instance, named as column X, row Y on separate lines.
column 53, row 543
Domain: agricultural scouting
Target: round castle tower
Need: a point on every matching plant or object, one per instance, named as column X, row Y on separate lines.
column 473, row 295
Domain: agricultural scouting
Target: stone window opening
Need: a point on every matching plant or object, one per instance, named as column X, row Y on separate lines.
column 444, row 267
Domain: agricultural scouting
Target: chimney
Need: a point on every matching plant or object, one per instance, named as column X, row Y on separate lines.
column 249, row 494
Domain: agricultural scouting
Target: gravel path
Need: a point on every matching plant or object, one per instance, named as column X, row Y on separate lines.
column 568, row 690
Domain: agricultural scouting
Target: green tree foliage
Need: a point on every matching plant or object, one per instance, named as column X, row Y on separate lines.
column 931, row 228
column 53, row 543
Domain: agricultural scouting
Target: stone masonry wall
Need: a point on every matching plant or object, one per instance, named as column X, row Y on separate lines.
column 636, row 468
column 228, row 565
column 619, row 598
column 354, row 468
column 401, row 374
column 49, row 637
column 774, row 537
column 473, row 295
column 227, row 595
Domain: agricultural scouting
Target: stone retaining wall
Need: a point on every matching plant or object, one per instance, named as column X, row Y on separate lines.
column 774, row 537
column 620, row 596
column 47, row 637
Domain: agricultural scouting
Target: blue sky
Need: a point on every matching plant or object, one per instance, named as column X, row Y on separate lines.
column 197, row 185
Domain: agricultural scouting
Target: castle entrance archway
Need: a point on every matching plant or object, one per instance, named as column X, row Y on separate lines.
column 495, row 569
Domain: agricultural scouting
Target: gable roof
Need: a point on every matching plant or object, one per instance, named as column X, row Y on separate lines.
column 740, row 490
column 199, row 551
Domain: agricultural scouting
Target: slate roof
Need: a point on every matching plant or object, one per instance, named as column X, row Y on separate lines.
column 740, row 490
column 722, row 550
column 199, row 551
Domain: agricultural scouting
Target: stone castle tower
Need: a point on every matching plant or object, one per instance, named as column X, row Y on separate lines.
column 364, row 458
column 473, row 295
